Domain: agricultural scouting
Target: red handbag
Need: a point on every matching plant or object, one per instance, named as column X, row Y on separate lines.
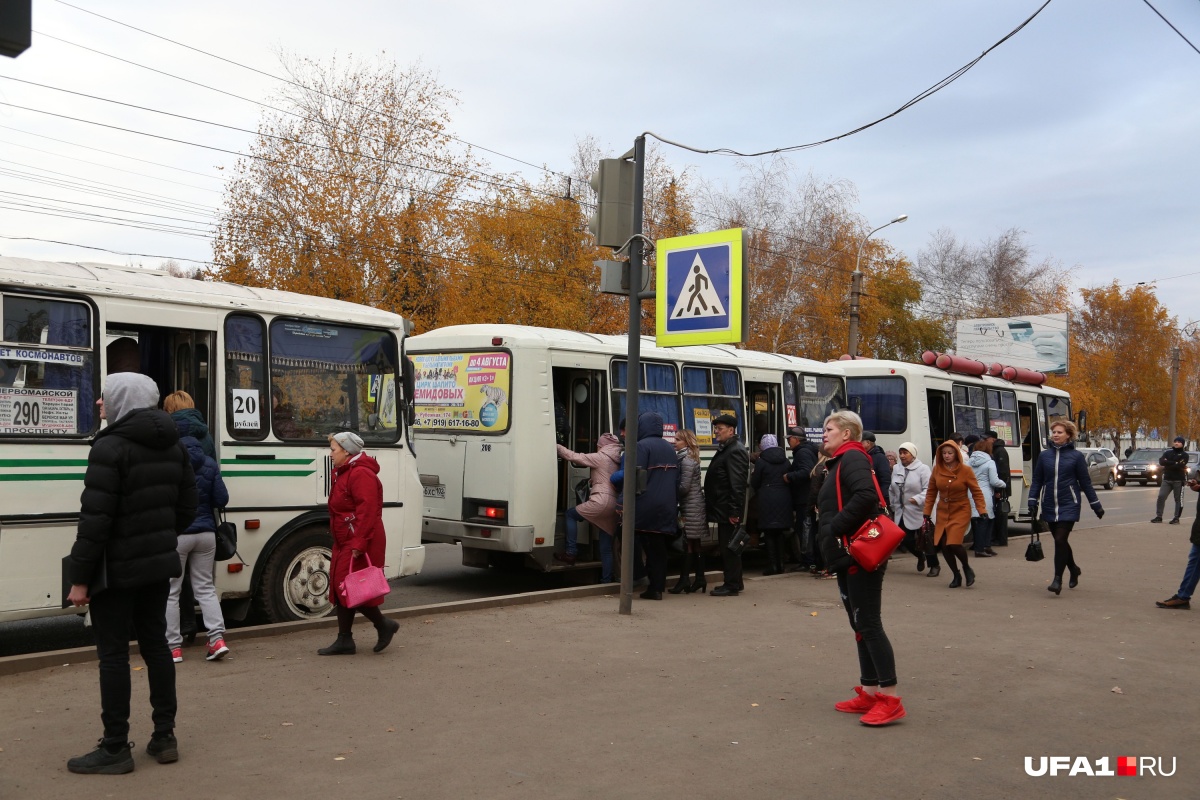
column 873, row 543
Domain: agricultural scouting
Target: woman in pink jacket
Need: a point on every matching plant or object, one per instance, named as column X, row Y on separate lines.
column 600, row 509
column 356, row 520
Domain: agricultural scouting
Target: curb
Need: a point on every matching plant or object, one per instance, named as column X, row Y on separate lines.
column 30, row 662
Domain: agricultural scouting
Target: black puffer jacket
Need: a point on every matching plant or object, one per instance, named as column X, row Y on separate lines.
column 772, row 495
column 853, row 470
column 725, row 482
column 799, row 477
column 658, row 505
column 139, row 494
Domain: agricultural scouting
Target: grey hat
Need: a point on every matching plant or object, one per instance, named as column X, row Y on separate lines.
column 349, row 441
column 868, row 436
column 128, row 391
column 726, row 419
column 797, row 432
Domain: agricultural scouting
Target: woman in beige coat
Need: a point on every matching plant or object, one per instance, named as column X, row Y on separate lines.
column 952, row 486
column 600, row 509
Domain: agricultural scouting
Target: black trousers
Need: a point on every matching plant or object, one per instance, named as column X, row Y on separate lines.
column 142, row 612
column 655, row 547
column 731, row 561
column 862, row 595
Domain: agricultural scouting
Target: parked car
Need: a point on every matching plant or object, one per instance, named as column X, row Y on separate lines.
column 1100, row 470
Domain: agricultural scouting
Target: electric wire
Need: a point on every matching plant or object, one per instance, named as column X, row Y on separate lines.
column 301, row 86
column 1164, row 19
column 935, row 88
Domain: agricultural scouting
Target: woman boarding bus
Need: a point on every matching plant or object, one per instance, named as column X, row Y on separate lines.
column 332, row 365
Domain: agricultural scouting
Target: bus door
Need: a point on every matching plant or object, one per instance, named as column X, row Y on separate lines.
column 580, row 416
column 176, row 359
column 941, row 419
column 764, row 410
column 1031, row 445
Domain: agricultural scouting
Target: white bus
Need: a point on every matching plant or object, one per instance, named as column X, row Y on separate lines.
column 271, row 372
column 922, row 404
column 492, row 400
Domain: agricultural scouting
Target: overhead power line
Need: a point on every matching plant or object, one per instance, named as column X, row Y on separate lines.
column 1164, row 19
column 935, row 88
column 302, row 86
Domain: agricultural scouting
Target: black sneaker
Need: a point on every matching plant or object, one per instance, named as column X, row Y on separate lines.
column 164, row 747
column 1175, row 521
column 103, row 761
column 1157, row 519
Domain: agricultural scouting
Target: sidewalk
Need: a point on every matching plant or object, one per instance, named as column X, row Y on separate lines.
column 692, row 697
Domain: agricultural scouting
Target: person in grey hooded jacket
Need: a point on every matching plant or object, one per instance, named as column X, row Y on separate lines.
column 139, row 494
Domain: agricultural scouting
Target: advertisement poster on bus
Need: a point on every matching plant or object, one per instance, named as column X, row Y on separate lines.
column 462, row 391
column 1035, row 342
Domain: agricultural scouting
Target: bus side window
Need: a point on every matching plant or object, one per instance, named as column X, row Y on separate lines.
column 245, row 377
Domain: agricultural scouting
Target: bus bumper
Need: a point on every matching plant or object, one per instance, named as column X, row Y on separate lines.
column 499, row 538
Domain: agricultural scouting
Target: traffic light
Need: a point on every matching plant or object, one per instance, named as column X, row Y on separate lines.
column 15, row 23
column 612, row 222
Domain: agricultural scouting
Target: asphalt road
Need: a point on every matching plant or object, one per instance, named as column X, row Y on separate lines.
column 444, row 579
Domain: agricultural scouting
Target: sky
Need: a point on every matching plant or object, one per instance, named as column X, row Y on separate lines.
column 1082, row 130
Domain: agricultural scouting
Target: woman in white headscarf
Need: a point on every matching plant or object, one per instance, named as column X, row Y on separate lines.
column 910, row 480
column 356, row 520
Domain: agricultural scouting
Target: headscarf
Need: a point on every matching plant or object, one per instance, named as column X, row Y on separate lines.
column 910, row 447
column 768, row 440
column 349, row 441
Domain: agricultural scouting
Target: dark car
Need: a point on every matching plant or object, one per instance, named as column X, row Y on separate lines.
column 1142, row 466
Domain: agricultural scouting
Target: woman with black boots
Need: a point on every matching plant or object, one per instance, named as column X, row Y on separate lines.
column 1060, row 478
column 952, row 486
column 692, row 516
column 774, row 499
column 356, row 520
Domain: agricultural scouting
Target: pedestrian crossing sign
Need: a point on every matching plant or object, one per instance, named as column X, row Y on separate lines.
column 701, row 289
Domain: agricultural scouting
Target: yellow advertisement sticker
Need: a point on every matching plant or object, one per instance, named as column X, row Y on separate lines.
column 462, row 391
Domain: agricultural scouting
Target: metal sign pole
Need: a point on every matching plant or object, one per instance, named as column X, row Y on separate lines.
column 633, row 379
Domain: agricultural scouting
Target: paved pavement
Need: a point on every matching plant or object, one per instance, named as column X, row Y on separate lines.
column 691, row 697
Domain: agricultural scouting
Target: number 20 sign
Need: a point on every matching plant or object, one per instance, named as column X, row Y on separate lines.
column 245, row 409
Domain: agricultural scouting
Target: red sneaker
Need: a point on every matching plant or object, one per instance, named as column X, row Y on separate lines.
column 861, row 704
column 217, row 650
column 177, row 655
column 887, row 710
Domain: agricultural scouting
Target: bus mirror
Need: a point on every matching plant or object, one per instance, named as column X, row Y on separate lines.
column 1081, row 421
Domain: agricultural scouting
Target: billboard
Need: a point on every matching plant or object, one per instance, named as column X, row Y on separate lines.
column 1034, row 342
column 462, row 391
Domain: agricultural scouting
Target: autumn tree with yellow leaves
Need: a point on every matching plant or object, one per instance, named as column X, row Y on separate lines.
column 349, row 191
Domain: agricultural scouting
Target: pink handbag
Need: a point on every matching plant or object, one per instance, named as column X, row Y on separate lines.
column 363, row 586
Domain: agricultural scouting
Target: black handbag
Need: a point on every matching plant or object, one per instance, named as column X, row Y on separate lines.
column 226, row 538
column 583, row 490
column 1033, row 551
column 1003, row 508
column 737, row 542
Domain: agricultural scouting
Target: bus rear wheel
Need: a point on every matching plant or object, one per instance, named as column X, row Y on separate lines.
column 295, row 581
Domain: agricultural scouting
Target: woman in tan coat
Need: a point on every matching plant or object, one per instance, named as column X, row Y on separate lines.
column 948, row 493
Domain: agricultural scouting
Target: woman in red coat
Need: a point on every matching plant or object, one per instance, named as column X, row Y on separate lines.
column 356, row 519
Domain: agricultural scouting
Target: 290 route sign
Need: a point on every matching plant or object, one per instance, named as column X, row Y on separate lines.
column 701, row 289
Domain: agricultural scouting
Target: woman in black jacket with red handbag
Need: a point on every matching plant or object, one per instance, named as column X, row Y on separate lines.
column 850, row 470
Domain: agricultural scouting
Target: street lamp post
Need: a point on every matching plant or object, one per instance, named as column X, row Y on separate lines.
column 856, row 286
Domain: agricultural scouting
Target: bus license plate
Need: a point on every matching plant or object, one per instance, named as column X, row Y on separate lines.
column 438, row 491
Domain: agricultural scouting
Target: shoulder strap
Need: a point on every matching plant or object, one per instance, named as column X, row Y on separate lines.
column 837, row 482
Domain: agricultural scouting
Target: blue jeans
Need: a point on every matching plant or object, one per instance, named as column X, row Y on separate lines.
column 573, row 520
column 606, row 557
column 1191, row 575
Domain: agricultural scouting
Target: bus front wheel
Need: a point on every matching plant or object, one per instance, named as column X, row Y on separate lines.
column 295, row 581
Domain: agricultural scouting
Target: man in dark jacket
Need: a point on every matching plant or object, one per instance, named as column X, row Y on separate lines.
column 657, row 513
column 799, row 481
column 1182, row 599
column 883, row 469
column 139, row 494
column 725, row 496
column 1004, row 472
column 1174, row 464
